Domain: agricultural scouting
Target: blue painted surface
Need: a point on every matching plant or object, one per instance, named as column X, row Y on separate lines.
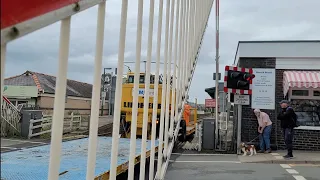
column 32, row 164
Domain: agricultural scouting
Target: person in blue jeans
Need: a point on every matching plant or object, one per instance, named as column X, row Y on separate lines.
column 264, row 129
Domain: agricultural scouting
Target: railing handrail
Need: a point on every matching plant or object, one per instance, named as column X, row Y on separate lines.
column 49, row 13
column 10, row 103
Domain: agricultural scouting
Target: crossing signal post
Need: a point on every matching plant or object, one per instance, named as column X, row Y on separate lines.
column 238, row 81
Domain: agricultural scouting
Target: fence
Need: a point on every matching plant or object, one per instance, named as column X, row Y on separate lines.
column 46, row 121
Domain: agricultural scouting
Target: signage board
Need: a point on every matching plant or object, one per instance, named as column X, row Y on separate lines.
column 141, row 92
column 210, row 103
column 241, row 99
column 263, row 88
column 20, row 91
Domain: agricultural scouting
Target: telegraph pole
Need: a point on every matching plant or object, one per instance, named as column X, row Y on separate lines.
column 217, row 67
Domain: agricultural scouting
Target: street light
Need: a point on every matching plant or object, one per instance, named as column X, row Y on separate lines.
column 103, row 96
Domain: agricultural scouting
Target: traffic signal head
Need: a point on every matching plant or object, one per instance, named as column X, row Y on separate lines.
column 248, row 76
column 239, row 80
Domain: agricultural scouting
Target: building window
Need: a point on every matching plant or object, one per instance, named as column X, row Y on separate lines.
column 311, row 94
column 22, row 102
column 316, row 93
column 308, row 112
column 300, row 92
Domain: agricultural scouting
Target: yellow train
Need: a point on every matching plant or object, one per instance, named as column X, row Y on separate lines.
column 127, row 103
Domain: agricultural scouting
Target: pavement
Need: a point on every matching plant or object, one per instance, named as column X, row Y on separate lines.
column 300, row 157
column 233, row 167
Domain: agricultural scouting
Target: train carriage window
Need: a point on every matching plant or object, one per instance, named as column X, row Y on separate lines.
column 141, row 80
column 131, row 79
column 160, row 79
column 151, row 79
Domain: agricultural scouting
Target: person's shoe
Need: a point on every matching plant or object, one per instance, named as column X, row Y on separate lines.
column 288, row 156
column 260, row 151
column 268, row 151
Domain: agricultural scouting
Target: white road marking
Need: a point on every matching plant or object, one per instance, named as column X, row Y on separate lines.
column 23, row 141
column 275, row 154
column 278, row 157
column 234, row 162
column 297, row 177
column 305, row 165
column 285, row 166
column 292, row 171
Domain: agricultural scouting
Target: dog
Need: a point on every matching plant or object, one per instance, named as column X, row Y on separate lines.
column 248, row 148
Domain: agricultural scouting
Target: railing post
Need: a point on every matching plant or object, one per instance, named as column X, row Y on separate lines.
column 30, row 129
column 3, row 65
column 167, row 120
column 80, row 121
column 156, row 91
column 187, row 47
column 163, row 93
column 181, row 57
column 146, row 94
column 59, row 101
column 133, row 135
column 174, row 109
column 94, row 121
column 185, row 54
column 118, row 94
column 71, row 121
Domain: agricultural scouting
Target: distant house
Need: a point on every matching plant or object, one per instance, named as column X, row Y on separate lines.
column 39, row 89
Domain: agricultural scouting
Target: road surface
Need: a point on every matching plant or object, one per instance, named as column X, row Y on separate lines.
column 228, row 167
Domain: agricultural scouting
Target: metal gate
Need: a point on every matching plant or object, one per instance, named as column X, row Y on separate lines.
column 225, row 128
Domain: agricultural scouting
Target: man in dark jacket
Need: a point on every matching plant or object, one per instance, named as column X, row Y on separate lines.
column 287, row 117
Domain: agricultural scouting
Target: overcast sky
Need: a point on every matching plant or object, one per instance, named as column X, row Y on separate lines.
column 239, row 21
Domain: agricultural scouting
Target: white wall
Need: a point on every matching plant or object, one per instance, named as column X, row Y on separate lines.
column 298, row 63
column 279, row 49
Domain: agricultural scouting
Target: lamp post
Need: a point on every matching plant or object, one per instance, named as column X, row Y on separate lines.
column 103, row 94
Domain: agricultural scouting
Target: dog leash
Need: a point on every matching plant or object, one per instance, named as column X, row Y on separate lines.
column 254, row 139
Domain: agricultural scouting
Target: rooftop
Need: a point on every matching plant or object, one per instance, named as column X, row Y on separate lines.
column 46, row 84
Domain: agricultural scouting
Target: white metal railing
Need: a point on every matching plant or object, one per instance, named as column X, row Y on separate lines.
column 185, row 24
column 10, row 118
column 71, row 123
